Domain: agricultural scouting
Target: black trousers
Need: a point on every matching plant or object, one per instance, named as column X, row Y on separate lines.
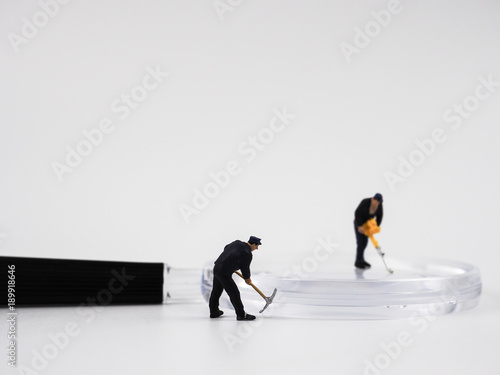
column 361, row 241
column 225, row 282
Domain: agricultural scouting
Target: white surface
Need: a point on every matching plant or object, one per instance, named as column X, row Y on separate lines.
column 353, row 122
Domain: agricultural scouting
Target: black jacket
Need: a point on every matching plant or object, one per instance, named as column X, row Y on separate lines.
column 362, row 213
column 236, row 256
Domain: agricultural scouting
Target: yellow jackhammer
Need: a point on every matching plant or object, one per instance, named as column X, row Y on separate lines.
column 372, row 228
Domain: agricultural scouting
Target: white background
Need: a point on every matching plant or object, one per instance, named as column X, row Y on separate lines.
column 356, row 118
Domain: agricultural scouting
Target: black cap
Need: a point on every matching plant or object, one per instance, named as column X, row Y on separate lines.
column 255, row 240
column 378, row 197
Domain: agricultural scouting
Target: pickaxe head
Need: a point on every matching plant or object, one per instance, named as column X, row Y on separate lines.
column 269, row 300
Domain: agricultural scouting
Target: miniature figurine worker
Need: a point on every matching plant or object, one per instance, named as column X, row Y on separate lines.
column 236, row 256
column 368, row 208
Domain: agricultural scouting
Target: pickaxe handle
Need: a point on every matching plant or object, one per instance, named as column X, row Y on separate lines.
column 253, row 286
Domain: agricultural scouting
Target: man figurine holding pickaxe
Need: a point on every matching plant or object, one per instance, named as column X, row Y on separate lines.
column 369, row 208
column 236, row 256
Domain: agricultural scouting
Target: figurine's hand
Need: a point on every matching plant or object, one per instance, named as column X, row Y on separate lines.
column 248, row 281
column 361, row 230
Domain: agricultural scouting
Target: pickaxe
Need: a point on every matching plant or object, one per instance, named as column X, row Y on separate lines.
column 268, row 300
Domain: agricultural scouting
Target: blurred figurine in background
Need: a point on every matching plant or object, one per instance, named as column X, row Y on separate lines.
column 236, row 256
column 368, row 208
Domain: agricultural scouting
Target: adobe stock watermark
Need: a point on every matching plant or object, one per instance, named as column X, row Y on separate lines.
column 59, row 341
column 121, row 107
column 324, row 249
column 310, row 264
column 454, row 117
column 31, row 26
column 419, row 322
column 249, row 149
column 379, row 21
column 11, row 316
column 223, row 6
